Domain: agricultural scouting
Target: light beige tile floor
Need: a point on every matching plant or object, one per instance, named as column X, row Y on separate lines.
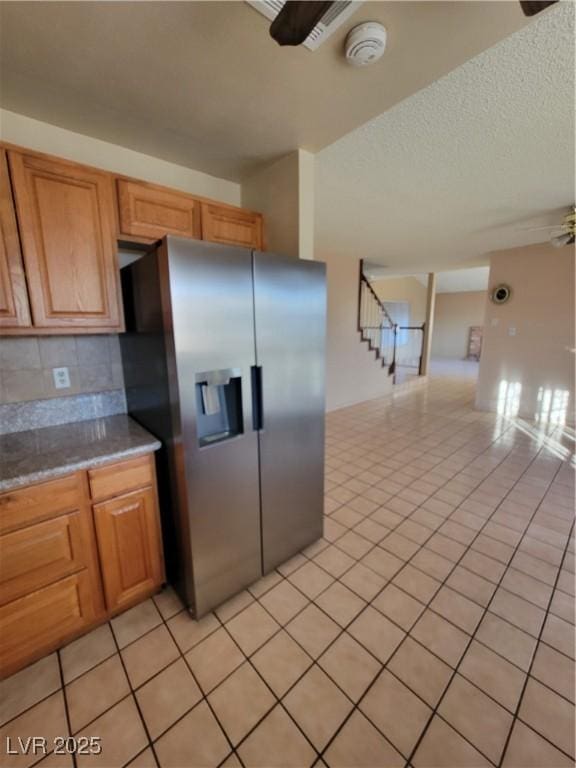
column 432, row 626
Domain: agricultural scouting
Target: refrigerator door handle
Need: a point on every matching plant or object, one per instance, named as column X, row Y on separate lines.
column 257, row 404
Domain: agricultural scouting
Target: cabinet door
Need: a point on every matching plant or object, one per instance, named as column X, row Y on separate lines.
column 233, row 226
column 150, row 212
column 14, row 309
column 128, row 534
column 66, row 217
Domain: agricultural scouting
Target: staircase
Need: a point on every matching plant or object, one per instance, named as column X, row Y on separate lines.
column 375, row 325
column 399, row 348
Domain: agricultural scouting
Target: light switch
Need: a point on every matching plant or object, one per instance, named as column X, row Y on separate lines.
column 494, row 322
column 511, row 331
column 61, row 378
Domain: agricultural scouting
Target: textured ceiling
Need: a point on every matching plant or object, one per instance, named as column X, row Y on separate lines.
column 203, row 84
column 462, row 167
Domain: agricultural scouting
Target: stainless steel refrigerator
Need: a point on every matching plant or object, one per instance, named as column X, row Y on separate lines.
column 224, row 362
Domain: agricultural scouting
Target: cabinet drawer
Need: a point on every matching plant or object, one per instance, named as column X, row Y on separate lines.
column 151, row 212
column 127, row 475
column 40, row 554
column 39, row 502
column 37, row 623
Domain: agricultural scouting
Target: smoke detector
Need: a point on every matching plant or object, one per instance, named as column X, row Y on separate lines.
column 365, row 44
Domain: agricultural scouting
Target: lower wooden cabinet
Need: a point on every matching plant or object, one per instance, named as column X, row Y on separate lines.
column 45, row 619
column 42, row 553
column 73, row 552
column 129, row 544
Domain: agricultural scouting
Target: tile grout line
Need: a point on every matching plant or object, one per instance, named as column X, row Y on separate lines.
column 507, row 564
column 407, row 634
column 164, row 620
column 68, row 720
column 534, row 457
column 447, row 519
column 415, row 478
column 204, row 698
column 164, row 668
column 132, row 695
column 314, row 661
column 516, row 713
column 447, row 535
column 456, row 668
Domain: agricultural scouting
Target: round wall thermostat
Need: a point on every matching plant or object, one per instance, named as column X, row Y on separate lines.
column 365, row 44
column 501, row 294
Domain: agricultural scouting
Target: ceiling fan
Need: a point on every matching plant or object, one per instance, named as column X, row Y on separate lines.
column 297, row 18
column 561, row 234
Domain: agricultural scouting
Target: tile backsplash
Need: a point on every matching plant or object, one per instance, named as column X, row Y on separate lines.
column 26, row 366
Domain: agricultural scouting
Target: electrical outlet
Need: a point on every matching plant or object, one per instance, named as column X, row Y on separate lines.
column 511, row 331
column 61, row 378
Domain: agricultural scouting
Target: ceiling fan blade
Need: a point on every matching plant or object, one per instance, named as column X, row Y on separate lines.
column 537, row 229
column 532, row 7
column 296, row 20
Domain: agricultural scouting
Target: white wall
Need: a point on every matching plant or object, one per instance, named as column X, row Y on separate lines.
column 453, row 316
column 527, row 364
column 306, row 203
column 403, row 289
column 33, row 134
column 284, row 192
column 273, row 190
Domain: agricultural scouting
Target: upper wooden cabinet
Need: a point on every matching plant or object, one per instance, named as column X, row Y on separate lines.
column 233, row 226
column 14, row 308
column 60, row 223
column 67, row 229
column 150, row 212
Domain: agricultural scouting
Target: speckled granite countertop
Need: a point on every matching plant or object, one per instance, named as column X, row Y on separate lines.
column 41, row 454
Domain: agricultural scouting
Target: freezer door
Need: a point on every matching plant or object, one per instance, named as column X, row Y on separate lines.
column 290, row 320
column 213, row 353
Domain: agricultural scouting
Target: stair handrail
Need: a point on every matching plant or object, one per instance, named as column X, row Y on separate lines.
column 364, row 279
column 374, row 334
column 372, row 319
